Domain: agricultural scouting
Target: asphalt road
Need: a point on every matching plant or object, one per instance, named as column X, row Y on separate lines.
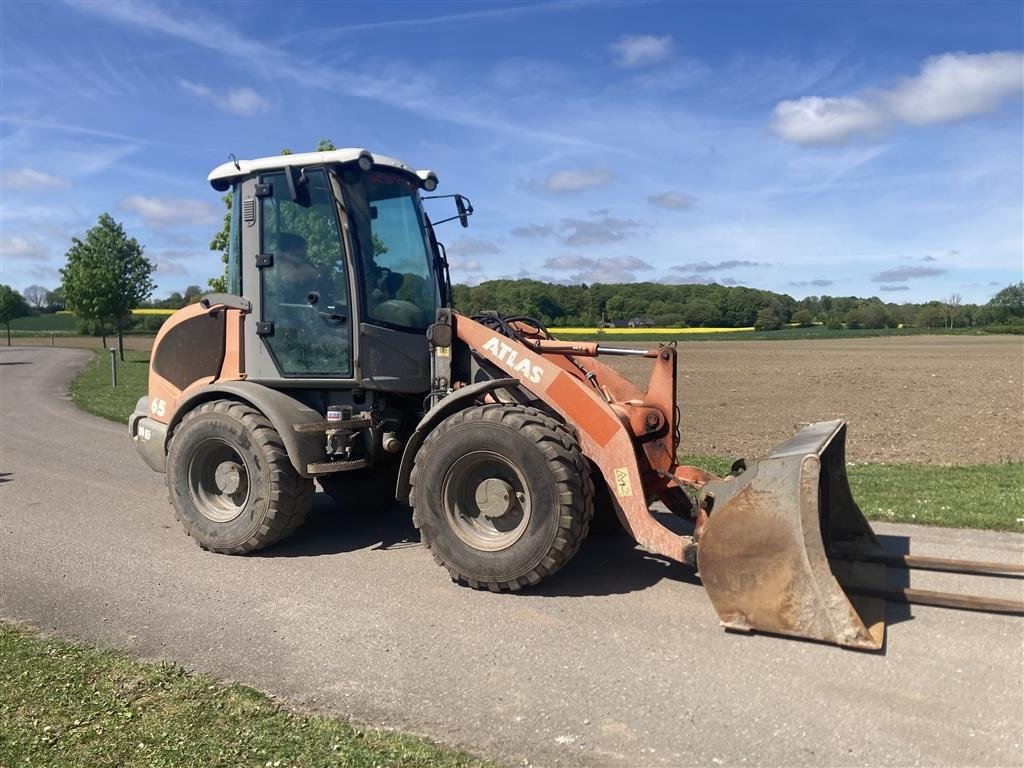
column 618, row 660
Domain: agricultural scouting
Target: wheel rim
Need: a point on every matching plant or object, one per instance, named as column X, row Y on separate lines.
column 219, row 480
column 486, row 501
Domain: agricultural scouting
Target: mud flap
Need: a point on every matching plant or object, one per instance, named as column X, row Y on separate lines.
column 763, row 554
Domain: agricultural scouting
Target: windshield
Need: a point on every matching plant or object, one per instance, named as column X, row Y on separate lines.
column 399, row 286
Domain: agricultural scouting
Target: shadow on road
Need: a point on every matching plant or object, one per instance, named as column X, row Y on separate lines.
column 898, row 578
column 606, row 564
column 16, row 362
column 6, row 477
column 330, row 529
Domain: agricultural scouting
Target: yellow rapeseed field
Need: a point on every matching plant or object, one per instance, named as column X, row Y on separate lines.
column 646, row 331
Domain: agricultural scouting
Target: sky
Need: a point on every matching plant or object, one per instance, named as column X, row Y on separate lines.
column 870, row 149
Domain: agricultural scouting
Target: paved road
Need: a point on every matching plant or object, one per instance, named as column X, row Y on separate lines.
column 617, row 661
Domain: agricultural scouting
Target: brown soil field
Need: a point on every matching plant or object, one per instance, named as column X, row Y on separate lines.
column 919, row 399
column 139, row 343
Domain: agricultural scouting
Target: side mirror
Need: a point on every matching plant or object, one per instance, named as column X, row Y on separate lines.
column 465, row 209
column 298, row 186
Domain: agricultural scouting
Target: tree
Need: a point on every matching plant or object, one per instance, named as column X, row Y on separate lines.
column 1008, row 305
column 768, row 319
column 55, row 299
column 222, row 242
column 106, row 276
column 325, row 145
column 12, row 305
column 192, row 294
column 803, row 318
column 35, row 295
column 953, row 304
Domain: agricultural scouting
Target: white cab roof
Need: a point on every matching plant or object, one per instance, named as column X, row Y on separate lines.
column 225, row 172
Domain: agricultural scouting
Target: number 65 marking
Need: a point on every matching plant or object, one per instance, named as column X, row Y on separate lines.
column 158, row 407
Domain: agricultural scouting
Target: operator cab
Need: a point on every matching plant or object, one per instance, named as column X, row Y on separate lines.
column 339, row 261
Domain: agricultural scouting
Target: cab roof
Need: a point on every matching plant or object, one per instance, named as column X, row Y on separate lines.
column 220, row 178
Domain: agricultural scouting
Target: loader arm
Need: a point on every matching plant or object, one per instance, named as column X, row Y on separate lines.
column 628, row 435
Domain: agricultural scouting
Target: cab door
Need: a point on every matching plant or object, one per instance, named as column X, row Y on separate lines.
column 305, row 320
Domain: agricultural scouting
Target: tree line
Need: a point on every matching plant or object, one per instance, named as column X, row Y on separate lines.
column 718, row 306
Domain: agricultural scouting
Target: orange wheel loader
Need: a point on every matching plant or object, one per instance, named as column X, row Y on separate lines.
column 335, row 356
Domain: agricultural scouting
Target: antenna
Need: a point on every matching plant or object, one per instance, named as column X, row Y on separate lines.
column 233, row 159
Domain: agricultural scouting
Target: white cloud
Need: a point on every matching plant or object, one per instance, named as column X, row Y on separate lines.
column 467, row 245
column 612, row 269
column 534, row 230
column 596, row 232
column 950, row 87
column 576, row 261
column 707, row 266
column 675, row 201
column 236, row 101
column 906, row 273
column 816, row 120
column 245, row 101
column 957, row 85
column 26, row 178
column 641, row 50
column 577, row 180
column 172, row 211
column 17, row 247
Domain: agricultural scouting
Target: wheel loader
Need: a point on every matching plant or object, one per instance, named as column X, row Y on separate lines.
column 336, row 357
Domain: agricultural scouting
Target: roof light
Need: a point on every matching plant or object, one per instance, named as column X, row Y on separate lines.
column 428, row 180
column 365, row 161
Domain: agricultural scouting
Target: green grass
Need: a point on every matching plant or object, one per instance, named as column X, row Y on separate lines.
column 989, row 496
column 785, row 334
column 48, row 322
column 92, row 392
column 69, row 705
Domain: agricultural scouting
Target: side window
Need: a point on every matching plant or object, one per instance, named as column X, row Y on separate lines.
column 234, row 244
column 305, row 290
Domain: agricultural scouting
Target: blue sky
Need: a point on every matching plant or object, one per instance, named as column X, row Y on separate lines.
column 807, row 148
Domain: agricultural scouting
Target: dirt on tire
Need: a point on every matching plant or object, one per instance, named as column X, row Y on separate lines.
column 917, row 400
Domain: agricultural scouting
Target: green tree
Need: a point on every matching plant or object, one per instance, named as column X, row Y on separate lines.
column 1008, row 305
column 12, row 305
column 325, row 145
column 106, row 276
column 768, row 319
column 193, row 294
column 803, row 318
column 222, row 242
column 55, row 299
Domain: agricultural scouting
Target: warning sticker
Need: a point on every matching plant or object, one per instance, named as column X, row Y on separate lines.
column 623, row 487
column 443, row 351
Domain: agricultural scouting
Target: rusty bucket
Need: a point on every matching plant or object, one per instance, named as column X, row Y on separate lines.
column 763, row 555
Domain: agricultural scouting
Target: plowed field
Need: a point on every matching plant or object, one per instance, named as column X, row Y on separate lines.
column 920, row 400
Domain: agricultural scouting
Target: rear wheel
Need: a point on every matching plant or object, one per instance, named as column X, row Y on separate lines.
column 502, row 496
column 231, row 483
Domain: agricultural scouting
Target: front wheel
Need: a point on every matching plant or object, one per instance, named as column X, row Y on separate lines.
column 502, row 496
column 231, row 482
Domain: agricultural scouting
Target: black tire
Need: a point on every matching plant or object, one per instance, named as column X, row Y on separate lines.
column 372, row 488
column 527, row 470
column 606, row 519
column 231, row 483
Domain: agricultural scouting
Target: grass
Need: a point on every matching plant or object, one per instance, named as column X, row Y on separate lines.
column 91, row 390
column 70, row 705
column 989, row 496
column 718, row 334
column 55, row 322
